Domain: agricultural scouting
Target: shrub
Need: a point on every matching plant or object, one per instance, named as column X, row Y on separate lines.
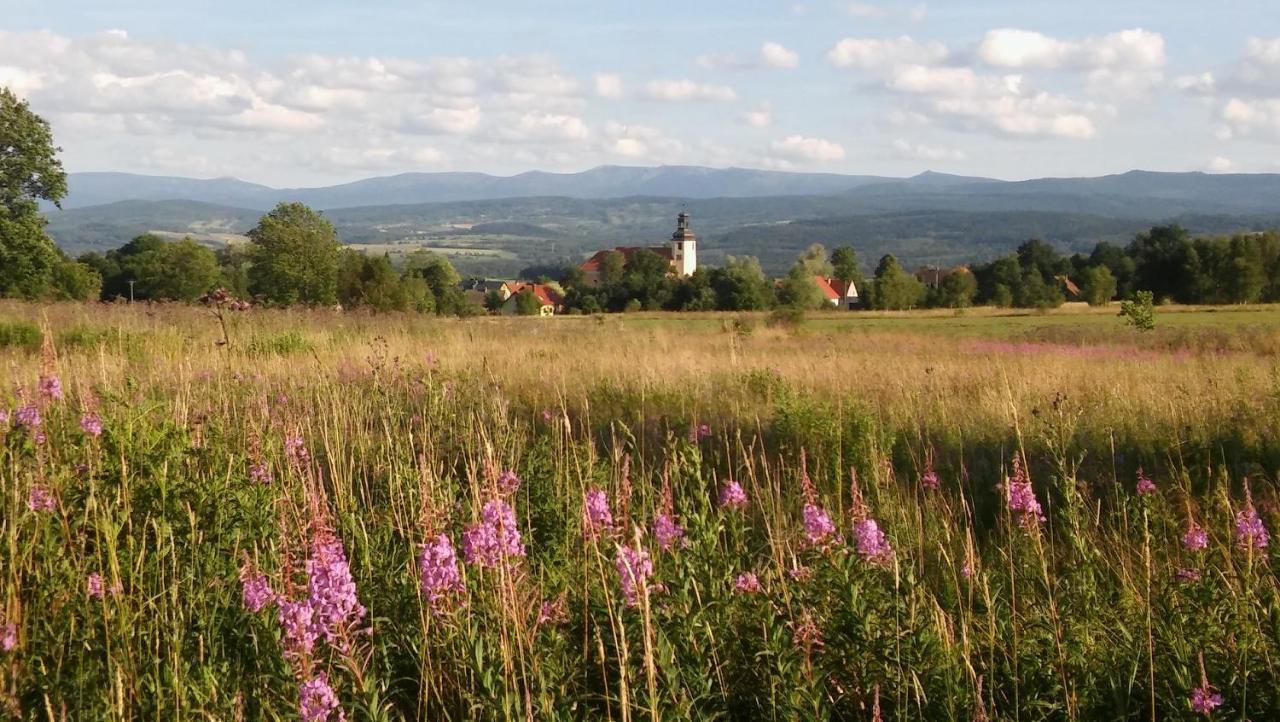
column 19, row 334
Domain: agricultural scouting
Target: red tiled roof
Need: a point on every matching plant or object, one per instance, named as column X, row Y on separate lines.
column 546, row 295
column 593, row 263
column 842, row 287
column 824, row 285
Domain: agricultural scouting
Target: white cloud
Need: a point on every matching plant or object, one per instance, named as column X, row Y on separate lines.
column 1003, row 104
column 640, row 143
column 1202, row 84
column 1263, row 51
column 445, row 121
column 1135, row 49
column 687, row 90
column 885, row 52
column 802, row 149
column 913, row 151
column 608, row 85
column 760, row 117
column 775, row 55
column 1250, row 118
column 20, row 81
column 546, row 128
column 1219, row 164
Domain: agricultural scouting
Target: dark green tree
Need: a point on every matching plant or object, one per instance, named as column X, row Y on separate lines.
column 799, row 291
column 1098, row 285
column 29, row 172
column 527, row 304
column 957, row 289
column 845, row 266
column 75, row 281
column 295, row 257
column 895, row 288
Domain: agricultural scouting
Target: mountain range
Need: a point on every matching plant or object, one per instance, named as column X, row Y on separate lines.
column 499, row 224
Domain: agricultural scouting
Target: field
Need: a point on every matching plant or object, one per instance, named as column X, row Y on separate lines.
column 950, row 516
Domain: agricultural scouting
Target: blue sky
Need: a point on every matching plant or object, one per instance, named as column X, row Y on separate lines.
column 293, row 93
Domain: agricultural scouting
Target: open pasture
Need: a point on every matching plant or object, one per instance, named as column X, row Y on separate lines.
column 915, row 516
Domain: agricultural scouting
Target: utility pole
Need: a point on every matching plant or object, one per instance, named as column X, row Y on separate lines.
column 131, row 282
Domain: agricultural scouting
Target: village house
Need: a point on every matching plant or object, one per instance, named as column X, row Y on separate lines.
column 838, row 293
column 681, row 252
column 550, row 300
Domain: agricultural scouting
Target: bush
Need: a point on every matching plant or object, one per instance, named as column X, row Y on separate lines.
column 1140, row 312
column 280, row 344
column 19, row 334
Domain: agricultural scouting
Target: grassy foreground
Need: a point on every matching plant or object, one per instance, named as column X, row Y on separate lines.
column 389, row 517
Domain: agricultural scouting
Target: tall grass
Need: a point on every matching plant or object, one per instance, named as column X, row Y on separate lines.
column 216, row 464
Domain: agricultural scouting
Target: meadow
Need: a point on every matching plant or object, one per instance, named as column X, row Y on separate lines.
column 313, row 515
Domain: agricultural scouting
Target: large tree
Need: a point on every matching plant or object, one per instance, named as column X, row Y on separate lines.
column 29, row 172
column 895, row 288
column 295, row 257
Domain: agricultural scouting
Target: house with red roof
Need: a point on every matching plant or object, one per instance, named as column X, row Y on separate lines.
column 550, row 299
column 838, row 293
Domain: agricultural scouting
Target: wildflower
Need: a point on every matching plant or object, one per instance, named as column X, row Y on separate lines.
column 1204, row 699
column 297, row 619
column 668, row 533
column 596, row 517
column 495, row 538
column 1195, row 538
column 1187, row 575
column 50, row 387
column 1021, row 499
column 634, row 568
column 508, row 482
column 255, row 591
column 8, row 637
column 800, row 574
column 966, row 570
column 817, row 524
column 873, row 546
column 91, row 424
column 732, row 496
column 331, row 591
column 929, row 479
column 698, row 433
column 296, row 450
column 28, row 417
column 1250, row 532
column 553, row 611
column 746, row 583
column 1145, row 484
column 260, row 473
column 317, row 701
column 438, row 571
column 807, row 634
column 41, row 499
column 94, row 586
column 546, row 415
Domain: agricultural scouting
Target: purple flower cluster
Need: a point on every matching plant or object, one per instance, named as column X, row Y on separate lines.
column 1145, row 484
column 1204, row 699
column 296, row 449
column 746, row 583
column 297, row 619
column 41, row 499
column 439, row 572
column 317, row 702
column 260, row 473
column 331, row 591
column 929, row 479
column 50, row 387
column 97, row 588
column 1187, row 575
column 634, row 568
column 1250, row 532
column 818, row 527
column 508, row 482
column 1195, row 538
column 553, row 611
column 668, row 533
column 1021, row 499
column 732, row 496
column 495, row 538
column 28, row 417
column 872, row 544
column 91, row 424
column 8, row 637
column 255, row 591
column 596, row 517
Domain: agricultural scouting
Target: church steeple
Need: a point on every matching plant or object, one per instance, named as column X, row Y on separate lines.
column 684, row 247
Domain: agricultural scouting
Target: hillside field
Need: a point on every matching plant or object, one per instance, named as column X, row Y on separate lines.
column 920, row 515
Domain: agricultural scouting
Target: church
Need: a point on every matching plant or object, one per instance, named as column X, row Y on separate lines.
column 681, row 251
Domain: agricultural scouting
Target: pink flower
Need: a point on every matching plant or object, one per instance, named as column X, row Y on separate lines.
column 817, row 525
column 1250, row 531
column 596, row 517
column 8, row 637
column 495, row 539
column 260, row 473
column 873, row 546
column 1145, row 484
column 732, row 496
column 508, row 482
column 1195, row 538
column 297, row 619
column 50, row 387
column 439, row 573
column 91, row 424
column 668, row 533
column 634, row 569
column 296, row 449
column 255, row 591
column 331, row 590
column 1204, row 699
column 97, row 588
column 746, row 583
column 553, row 611
column 1021, row 499
column 41, row 499
column 317, row 702
column 929, row 479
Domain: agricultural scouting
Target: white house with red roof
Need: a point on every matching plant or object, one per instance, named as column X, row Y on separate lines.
column 550, row 299
column 838, row 293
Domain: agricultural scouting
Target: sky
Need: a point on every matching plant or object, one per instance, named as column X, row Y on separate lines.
column 290, row 93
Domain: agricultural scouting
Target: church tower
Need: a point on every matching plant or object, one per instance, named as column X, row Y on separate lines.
column 684, row 248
